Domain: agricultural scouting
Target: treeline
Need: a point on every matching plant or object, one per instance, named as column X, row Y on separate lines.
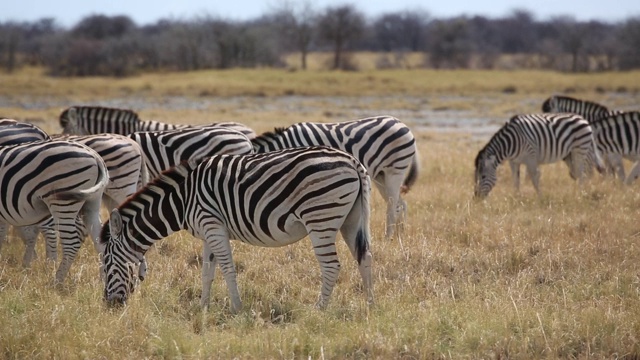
column 117, row 46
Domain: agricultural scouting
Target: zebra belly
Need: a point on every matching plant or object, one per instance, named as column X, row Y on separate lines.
column 294, row 231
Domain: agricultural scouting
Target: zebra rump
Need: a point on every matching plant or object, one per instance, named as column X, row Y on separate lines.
column 54, row 178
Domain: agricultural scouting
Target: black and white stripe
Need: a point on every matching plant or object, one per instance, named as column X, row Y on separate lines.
column 383, row 144
column 617, row 136
column 165, row 149
column 85, row 120
column 269, row 200
column 153, row 125
column 535, row 139
column 16, row 132
column 589, row 110
column 61, row 179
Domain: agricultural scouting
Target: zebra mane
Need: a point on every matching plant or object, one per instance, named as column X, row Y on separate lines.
column 64, row 116
column 488, row 145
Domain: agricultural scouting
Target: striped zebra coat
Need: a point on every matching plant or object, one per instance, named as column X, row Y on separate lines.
column 536, row 139
column 612, row 151
column 268, row 200
column 152, row 125
column 165, row 149
column 618, row 136
column 589, row 110
column 85, row 120
column 383, row 144
column 61, row 179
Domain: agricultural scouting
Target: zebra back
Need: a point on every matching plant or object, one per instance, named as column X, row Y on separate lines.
column 377, row 142
column 589, row 110
column 165, row 149
column 152, row 125
column 84, row 120
column 15, row 132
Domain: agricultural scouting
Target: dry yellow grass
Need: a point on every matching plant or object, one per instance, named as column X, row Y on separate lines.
column 514, row 276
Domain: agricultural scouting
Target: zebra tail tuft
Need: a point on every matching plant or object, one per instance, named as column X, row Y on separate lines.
column 363, row 238
column 412, row 175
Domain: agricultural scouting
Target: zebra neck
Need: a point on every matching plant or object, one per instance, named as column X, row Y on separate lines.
column 153, row 217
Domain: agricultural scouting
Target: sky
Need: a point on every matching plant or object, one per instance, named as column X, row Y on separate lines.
column 142, row 12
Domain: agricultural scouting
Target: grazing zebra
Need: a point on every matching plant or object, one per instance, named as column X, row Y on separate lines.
column 593, row 112
column 536, row 139
column 270, row 200
column 85, row 120
column 62, row 179
column 383, row 144
column 152, row 125
column 589, row 110
column 164, row 149
column 617, row 136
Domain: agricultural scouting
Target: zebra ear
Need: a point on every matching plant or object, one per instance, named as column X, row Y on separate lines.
column 115, row 223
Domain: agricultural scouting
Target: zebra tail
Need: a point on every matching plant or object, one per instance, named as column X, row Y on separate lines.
column 412, row 175
column 85, row 194
column 363, row 238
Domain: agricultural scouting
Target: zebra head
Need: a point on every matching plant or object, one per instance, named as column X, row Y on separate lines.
column 118, row 267
column 69, row 122
column 485, row 175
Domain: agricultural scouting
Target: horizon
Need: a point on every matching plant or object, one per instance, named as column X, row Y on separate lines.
column 143, row 12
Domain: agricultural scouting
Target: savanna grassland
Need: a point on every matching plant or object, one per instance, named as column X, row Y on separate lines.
column 514, row 276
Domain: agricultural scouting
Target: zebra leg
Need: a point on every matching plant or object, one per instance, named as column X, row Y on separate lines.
column 634, row 173
column 29, row 235
column 389, row 187
column 515, row 174
column 324, row 247
column 3, row 233
column 208, row 273
column 218, row 243
column 534, row 175
column 616, row 163
column 48, row 230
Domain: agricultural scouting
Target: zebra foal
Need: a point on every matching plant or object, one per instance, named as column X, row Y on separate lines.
column 536, row 139
column 270, row 200
column 61, row 179
column 384, row 145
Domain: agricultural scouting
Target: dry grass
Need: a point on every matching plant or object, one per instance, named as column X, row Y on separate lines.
column 514, row 276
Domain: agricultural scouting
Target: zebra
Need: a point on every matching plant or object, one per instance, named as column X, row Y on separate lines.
column 534, row 139
column 153, row 125
column 271, row 200
column 592, row 112
column 125, row 164
column 589, row 110
column 164, row 149
column 84, row 120
column 56, row 178
column 384, row 145
column 618, row 136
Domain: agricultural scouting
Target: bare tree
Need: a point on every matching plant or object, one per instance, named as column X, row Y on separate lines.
column 450, row 45
column 338, row 26
column 405, row 31
column 629, row 35
column 296, row 23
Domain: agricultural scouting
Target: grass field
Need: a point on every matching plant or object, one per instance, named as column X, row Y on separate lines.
column 514, row 276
